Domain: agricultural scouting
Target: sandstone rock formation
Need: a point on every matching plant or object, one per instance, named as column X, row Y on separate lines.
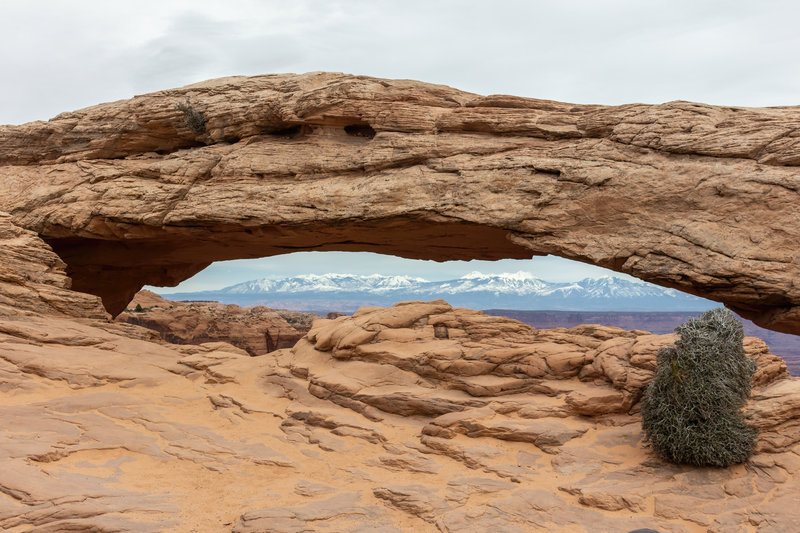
column 783, row 344
column 433, row 360
column 33, row 278
column 418, row 417
column 257, row 330
column 690, row 196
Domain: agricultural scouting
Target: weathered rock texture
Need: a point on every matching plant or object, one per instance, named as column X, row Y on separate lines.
column 427, row 358
column 257, row 330
column 33, row 278
column 690, row 196
column 419, row 417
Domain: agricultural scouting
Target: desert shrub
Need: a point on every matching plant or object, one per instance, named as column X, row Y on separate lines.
column 691, row 411
column 138, row 309
column 194, row 119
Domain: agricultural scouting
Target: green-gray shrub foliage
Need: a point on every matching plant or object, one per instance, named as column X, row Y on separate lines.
column 194, row 118
column 691, row 411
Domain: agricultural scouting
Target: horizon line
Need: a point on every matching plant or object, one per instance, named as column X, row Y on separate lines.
column 470, row 275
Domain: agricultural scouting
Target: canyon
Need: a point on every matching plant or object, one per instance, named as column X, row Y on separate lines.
column 416, row 417
column 256, row 330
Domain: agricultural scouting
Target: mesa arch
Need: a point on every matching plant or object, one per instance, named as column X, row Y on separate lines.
column 691, row 196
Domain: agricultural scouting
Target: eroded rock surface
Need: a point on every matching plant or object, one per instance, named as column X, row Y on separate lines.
column 691, row 196
column 33, row 278
column 418, row 417
column 257, row 330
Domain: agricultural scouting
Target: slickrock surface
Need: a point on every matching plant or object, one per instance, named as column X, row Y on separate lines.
column 691, row 196
column 418, row 417
column 257, row 330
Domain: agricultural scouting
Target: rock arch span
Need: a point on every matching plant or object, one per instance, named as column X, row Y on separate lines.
column 691, row 196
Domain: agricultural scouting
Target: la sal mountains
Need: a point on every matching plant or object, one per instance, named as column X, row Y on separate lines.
column 520, row 290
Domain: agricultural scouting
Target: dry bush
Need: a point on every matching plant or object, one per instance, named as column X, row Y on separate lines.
column 691, row 411
column 194, row 119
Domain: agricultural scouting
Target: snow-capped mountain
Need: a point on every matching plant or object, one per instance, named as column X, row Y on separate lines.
column 507, row 283
column 325, row 283
column 520, row 290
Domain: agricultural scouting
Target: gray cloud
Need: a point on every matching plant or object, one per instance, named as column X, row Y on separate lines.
column 62, row 56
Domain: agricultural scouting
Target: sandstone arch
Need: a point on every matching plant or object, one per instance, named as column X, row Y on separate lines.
column 690, row 196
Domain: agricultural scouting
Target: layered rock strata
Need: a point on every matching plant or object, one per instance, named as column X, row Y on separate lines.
column 257, row 330
column 418, row 417
column 33, row 278
column 691, row 196
column 459, row 365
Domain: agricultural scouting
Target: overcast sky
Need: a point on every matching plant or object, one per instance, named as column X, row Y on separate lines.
column 59, row 56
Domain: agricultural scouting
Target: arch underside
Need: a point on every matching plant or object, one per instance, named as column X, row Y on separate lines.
column 116, row 270
column 693, row 197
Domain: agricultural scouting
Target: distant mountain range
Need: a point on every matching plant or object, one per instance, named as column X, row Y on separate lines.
column 520, row 290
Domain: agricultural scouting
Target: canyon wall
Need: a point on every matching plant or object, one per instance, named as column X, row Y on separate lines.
column 256, row 330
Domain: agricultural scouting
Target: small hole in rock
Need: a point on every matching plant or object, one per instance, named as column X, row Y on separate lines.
column 290, row 132
column 360, row 130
